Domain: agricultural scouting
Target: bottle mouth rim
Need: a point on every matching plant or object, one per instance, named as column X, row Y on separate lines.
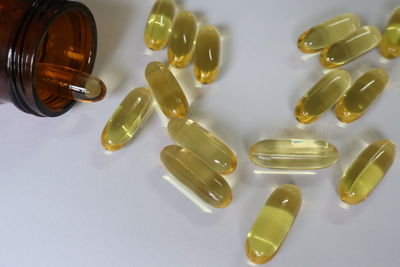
column 44, row 16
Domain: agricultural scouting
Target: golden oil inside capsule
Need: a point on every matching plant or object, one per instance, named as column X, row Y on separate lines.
column 390, row 43
column 166, row 90
column 69, row 83
column 197, row 176
column 293, row 154
column 362, row 94
column 365, row 173
column 181, row 43
column 354, row 45
column 127, row 119
column 204, row 144
column 207, row 54
column 159, row 24
column 273, row 223
column 331, row 31
column 322, row 96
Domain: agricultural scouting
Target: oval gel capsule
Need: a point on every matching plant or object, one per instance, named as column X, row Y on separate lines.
column 273, row 223
column 329, row 32
column 197, row 176
column 207, row 54
column 127, row 119
column 390, row 43
column 69, row 83
column 166, row 90
column 181, row 43
column 293, row 154
column 159, row 24
column 362, row 94
column 204, row 144
column 365, row 173
column 354, row 45
column 322, row 96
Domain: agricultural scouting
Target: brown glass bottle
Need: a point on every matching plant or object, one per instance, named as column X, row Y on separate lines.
column 58, row 32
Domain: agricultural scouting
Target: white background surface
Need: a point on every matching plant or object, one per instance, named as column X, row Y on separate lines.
column 65, row 202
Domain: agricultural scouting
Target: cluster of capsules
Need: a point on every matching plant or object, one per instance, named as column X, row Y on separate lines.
column 180, row 33
column 339, row 41
column 199, row 158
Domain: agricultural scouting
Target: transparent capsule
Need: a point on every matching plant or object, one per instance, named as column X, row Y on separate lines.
column 159, row 24
column 354, row 45
column 362, row 94
column 181, row 43
column 329, row 32
column 293, row 154
column 166, row 90
column 273, row 223
column 390, row 43
column 69, row 83
column 197, row 176
column 127, row 119
column 207, row 54
column 204, row 144
column 365, row 173
column 322, row 96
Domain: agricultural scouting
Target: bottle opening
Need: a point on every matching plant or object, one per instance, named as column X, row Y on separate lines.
column 70, row 41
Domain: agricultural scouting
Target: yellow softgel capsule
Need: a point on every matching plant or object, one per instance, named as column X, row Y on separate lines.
column 181, row 43
column 322, row 96
column 362, row 94
column 390, row 43
column 166, row 90
column 365, row 173
column 207, row 54
column 205, row 145
column 197, row 176
column 328, row 32
column 127, row 119
column 69, row 83
column 293, row 154
column 273, row 223
column 159, row 24
column 351, row 47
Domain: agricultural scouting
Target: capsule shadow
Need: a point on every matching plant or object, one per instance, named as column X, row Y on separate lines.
column 185, row 202
column 103, row 159
column 234, row 180
column 340, row 213
column 114, row 77
column 386, row 12
column 298, row 60
column 226, row 50
column 193, row 90
column 179, row 6
column 200, row 18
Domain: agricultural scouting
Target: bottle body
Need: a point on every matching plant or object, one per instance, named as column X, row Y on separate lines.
column 42, row 31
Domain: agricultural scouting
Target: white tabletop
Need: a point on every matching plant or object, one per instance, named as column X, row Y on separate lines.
column 65, row 202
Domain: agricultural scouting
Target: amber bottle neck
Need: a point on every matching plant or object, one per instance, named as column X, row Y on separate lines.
column 31, row 22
